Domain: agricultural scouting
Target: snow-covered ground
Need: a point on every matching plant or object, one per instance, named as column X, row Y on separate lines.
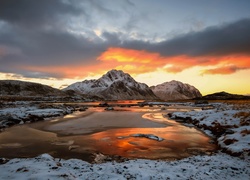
column 234, row 119
column 229, row 123
column 219, row 166
column 20, row 114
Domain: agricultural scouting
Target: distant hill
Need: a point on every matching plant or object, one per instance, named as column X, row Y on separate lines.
column 23, row 88
column 114, row 85
column 175, row 90
column 223, row 96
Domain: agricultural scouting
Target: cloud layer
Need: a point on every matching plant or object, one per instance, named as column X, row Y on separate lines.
column 43, row 39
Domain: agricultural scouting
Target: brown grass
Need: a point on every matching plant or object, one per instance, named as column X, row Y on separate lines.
column 245, row 132
column 242, row 114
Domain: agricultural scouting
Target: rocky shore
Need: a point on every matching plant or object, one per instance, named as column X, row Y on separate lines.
column 228, row 124
column 12, row 113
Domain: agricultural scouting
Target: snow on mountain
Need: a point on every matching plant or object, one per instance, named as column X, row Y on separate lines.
column 114, row 85
column 175, row 90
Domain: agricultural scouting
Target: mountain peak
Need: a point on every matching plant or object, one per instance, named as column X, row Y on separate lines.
column 114, row 85
column 175, row 90
column 115, row 71
column 115, row 74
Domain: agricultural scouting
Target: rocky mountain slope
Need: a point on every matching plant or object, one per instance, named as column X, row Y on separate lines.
column 114, row 85
column 23, row 88
column 13, row 90
column 175, row 90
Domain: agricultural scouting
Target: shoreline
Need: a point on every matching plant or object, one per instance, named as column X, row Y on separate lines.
column 85, row 126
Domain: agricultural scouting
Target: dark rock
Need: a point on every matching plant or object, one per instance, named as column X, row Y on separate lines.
column 224, row 96
column 200, row 102
column 3, row 160
column 229, row 131
column 83, row 108
column 103, row 104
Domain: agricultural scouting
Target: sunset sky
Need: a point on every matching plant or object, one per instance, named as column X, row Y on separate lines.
column 205, row 43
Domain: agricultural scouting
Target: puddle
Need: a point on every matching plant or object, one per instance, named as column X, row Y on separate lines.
column 83, row 134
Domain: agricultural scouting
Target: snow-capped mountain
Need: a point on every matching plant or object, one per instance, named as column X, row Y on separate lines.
column 114, row 85
column 175, row 90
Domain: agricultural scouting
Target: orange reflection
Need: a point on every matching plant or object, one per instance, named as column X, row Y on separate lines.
column 179, row 141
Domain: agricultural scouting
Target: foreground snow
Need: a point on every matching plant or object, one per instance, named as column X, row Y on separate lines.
column 219, row 166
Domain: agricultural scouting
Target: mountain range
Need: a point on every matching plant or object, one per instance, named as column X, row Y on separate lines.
column 114, row 85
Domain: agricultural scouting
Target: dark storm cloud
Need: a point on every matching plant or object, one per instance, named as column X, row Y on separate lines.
column 49, row 47
column 35, row 13
column 38, row 33
column 219, row 40
column 30, row 36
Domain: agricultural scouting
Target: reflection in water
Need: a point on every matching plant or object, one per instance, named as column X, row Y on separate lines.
column 82, row 136
column 179, row 141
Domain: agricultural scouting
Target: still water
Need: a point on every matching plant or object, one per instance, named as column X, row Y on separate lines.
column 80, row 135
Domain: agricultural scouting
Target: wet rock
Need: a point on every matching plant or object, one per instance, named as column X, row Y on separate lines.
column 83, row 108
column 149, row 136
column 109, row 109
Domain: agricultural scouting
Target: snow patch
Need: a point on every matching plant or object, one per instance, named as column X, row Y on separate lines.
column 219, row 166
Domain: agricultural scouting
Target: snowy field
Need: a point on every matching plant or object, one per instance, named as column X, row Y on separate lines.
column 25, row 113
column 219, row 166
column 234, row 139
column 229, row 123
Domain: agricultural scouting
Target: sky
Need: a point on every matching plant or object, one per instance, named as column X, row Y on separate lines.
column 199, row 42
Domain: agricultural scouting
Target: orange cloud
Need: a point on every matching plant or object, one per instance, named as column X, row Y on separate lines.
column 128, row 55
column 74, row 71
column 222, row 70
column 141, row 61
